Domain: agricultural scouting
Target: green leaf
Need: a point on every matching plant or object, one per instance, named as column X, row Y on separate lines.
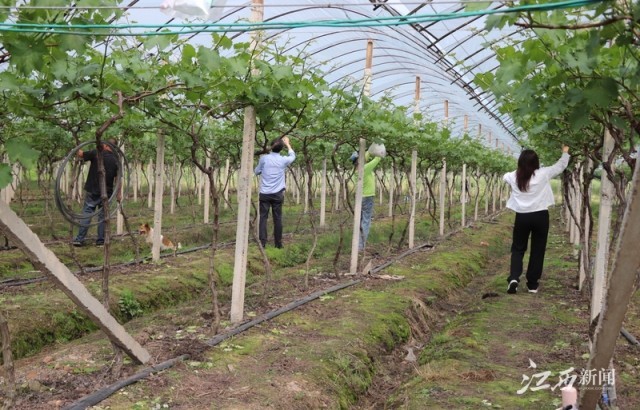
column 601, row 92
column 578, row 118
column 188, row 53
column 26, row 52
column 22, row 152
column 208, row 59
column 476, row 6
column 8, row 81
column 5, row 175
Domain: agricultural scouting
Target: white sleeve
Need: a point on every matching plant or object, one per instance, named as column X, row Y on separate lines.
column 558, row 167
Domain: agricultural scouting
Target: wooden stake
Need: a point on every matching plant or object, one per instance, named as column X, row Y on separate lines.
column 157, row 211
column 48, row 263
column 607, row 194
column 244, row 189
column 207, row 191
column 620, row 288
column 323, row 193
column 355, row 237
column 414, row 169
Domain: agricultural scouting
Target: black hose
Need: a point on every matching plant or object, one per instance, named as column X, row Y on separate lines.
column 79, row 219
column 274, row 313
column 21, row 282
column 102, row 394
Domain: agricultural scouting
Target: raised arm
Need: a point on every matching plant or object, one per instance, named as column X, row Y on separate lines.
column 561, row 164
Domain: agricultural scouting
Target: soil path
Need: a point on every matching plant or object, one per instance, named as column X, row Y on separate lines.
column 475, row 346
column 505, row 351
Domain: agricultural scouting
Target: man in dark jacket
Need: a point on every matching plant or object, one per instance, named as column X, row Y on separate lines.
column 92, row 199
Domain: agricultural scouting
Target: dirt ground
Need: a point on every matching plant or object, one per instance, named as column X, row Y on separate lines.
column 474, row 349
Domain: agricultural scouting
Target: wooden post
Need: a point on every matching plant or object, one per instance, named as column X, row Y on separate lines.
column 157, row 210
column 172, row 186
column 379, row 179
column 412, row 216
column 227, row 183
column 392, row 182
column 475, row 212
column 323, row 193
column 244, row 188
column 414, row 171
column 48, row 263
column 619, row 290
column 493, row 195
column 336, row 192
column 443, row 175
column 305, row 188
column 150, row 179
column 355, row 237
column 207, row 190
column 119, row 216
column 607, row 194
column 357, row 211
column 463, row 196
column 443, row 190
column 135, row 179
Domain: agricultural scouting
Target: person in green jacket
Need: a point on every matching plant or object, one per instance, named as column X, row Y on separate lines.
column 368, row 194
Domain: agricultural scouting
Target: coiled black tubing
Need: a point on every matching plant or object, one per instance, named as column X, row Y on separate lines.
column 122, row 176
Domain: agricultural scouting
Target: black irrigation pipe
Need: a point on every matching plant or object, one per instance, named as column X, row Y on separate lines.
column 21, row 282
column 630, row 338
column 274, row 313
column 102, row 394
column 126, row 234
column 402, row 255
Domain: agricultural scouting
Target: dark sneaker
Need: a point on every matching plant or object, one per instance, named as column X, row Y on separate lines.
column 513, row 287
column 532, row 289
column 77, row 243
column 99, row 244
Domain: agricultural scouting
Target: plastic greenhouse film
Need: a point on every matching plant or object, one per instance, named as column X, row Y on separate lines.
column 205, row 9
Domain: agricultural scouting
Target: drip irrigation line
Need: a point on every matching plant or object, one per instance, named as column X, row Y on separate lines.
column 22, row 282
column 194, row 28
column 402, row 255
column 102, row 394
column 630, row 338
column 274, row 313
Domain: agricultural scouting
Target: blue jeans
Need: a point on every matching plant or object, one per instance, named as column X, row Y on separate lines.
column 89, row 208
column 365, row 220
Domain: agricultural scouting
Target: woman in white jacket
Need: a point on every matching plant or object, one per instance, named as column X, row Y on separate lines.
column 531, row 196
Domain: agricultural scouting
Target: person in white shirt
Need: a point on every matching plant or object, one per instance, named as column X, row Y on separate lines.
column 531, row 196
column 272, row 167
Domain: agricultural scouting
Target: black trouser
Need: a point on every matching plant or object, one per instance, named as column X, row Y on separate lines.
column 536, row 224
column 273, row 201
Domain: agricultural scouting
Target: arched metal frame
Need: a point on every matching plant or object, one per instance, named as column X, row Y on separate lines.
column 416, row 50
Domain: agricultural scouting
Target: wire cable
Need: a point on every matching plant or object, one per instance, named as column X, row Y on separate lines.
column 90, row 29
